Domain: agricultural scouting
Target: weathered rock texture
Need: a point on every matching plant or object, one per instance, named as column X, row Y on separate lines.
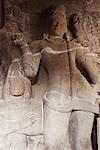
column 89, row 10
column 34, row 23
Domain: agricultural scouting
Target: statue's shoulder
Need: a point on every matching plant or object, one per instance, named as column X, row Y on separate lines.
column 79, row 47
column 37, row 45
column 75, row 44
column 80, row 50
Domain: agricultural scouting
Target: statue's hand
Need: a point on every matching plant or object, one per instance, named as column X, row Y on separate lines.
column 98, row 101
column 19, row 39
column 9, row 126
column 28, row 120
column 96, row 88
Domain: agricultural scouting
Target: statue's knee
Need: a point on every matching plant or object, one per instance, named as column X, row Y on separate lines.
column 85, row 142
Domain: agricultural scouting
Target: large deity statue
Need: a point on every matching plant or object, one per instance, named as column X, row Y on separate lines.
column 69, row 93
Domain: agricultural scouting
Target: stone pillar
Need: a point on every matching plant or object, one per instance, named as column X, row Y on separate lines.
column 1, row 13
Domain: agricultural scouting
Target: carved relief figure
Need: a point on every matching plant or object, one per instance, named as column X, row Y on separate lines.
column 19, row 110
column 79, row 134
column 67, row 88
column 20, row 115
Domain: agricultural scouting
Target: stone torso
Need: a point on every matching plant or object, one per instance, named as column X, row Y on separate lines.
column 63, row 74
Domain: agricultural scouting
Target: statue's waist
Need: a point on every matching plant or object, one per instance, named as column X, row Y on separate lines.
column 62, row 103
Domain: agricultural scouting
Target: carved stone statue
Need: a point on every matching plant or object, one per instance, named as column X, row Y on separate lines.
column 81, row 142
column 21, row 120
column 19, row 111
column 68, row 90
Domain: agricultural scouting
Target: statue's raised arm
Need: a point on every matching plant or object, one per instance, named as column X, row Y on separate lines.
column 30, row 61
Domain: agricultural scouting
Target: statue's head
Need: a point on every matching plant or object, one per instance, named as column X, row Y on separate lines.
column 58, row 21
column 14, row 18
column 17, row 85
column 74, row 25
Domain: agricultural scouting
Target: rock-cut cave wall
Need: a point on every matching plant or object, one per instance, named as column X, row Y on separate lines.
column 89, row 12
column 34, row 25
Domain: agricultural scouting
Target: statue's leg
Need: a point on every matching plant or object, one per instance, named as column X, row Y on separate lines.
column 80, row 128
column 18, row 141
column 55, row 129
column 4, row 143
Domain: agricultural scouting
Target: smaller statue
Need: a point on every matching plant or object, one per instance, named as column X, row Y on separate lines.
column 20, row 116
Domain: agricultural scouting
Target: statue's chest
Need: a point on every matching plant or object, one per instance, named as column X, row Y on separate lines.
column 55, row 45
